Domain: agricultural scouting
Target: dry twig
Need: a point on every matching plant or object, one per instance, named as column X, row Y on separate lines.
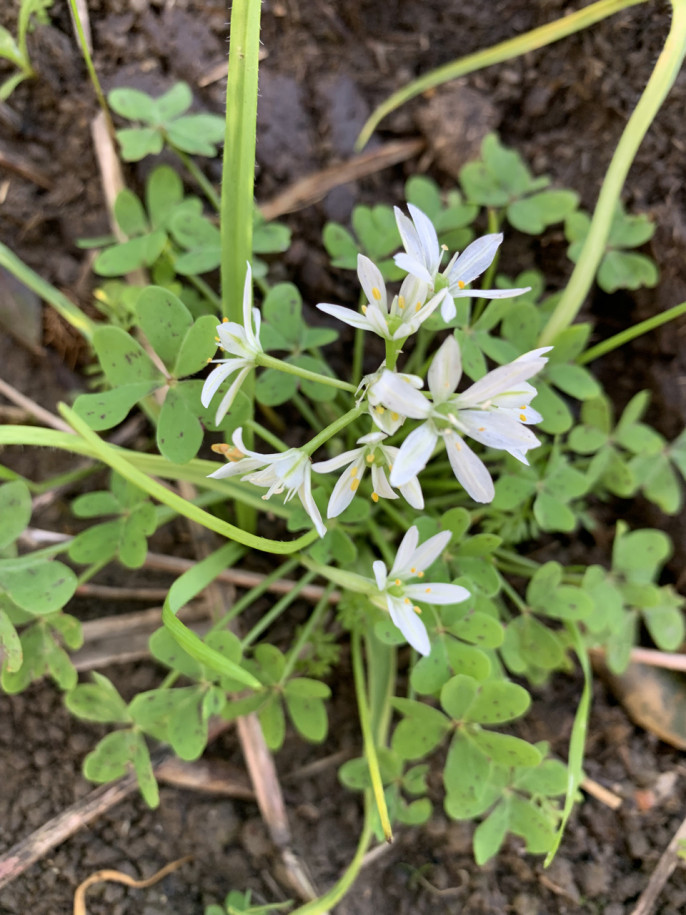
column 661, row 874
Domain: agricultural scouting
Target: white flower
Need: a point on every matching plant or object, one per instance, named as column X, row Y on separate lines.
column 244, row 343
column 377, row 457
column 389, row 421
column 287, row 470
column 407, row 311
column 493, row 411
column 422, row 259
column 398, row 597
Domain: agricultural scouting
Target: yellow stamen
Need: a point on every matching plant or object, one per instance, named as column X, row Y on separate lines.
column 230, row 452
column 353, row 471
column 225, row 320
column 407, row 600
column 427, row 590
column 398, row 582
column 461, row 284
column 418, row 306
column 370, row 459
column 482, row 428
column 375, row 497
column 413, row 569
column 364, row 309
column 420, row 575
column 209, row 359
column 417, row 610
column 401, row 301
column 458, row 446
column 354, row 485
column 376, row 293
column 522, row 416
column 217, row 339
column 379, row 409
column 395, row 417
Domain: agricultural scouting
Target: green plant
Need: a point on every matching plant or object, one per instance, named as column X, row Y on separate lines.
column 14, row 50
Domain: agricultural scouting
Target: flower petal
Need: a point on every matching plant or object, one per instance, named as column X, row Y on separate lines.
column 381, row 485
column 345, row 488
column 380, row 573
column 415, row 453
column 412, row 493
column 230, row 395
column 337, row 462
column 497, row 430
column 372, row 282
column 216, row 377
column 470, row 471
column 403, row 558
column 310, row 506
column 446, row 370
column 475, row 258
column 432, row 592
column 448, row 310
column 429, row 552
column 347, row 315
column 427, row 239
column 503, row 379
column 398, row 394
column 409, row 623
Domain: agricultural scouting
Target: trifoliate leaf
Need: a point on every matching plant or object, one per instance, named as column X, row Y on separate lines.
column 555, row 412
column 97, row 701
column 553, row 515
column 164, row 320
column 273, row 722
column 490, row 834
column 574, row 380
column 129, row 213
column 506, row 750
column 497, row 701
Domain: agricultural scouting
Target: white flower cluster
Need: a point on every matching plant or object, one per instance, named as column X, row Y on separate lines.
column 494, row 411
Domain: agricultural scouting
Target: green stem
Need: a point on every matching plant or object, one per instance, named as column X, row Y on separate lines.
column 266, row 435
column 200, row 177
column 62, row 305
column 513, row 595
column 661, row 80
column 368, row 736
column 88, row 60
column 337, row 426
column 271, row 362
column 358, row 356
column 114, row 459
column 494, row 223
column 506, row 50
column 306, row 412
column 276, row 611
column 631, row 333
column 238, row 170
column 305, row 633
column 326, row 902
column 254, row 593
column 381, row 541
column 205, row 289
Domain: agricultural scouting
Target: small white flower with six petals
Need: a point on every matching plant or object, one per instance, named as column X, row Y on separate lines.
column 378, row 458
column 244, row 344
column 399, row 598
column 288, row 470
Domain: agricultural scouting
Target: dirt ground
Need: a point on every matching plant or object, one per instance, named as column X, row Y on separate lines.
column 325, row 66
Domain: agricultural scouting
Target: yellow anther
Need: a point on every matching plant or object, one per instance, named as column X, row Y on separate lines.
column 427, row 590
column 407, row 600
column 418, row 306
column 417, row 610
column 225, row 320
column 413, row 569
column 395, row 417
column 375, row 497
column 482, row 428
column 364, row 309
column 420, row 575
column 461, row 284
column 398, row 582
column 369, row 458
column 209, row 359
column 523, row 407
column 353, row 471
column 217, row 340
column 522, row 416
column 458, row 445
column 379, row 409
column 354, row 484
column 230, row 452
column 376, row 293
column 444, row 247
column 401, row 301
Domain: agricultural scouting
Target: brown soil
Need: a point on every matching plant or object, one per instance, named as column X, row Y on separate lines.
column 325, row 67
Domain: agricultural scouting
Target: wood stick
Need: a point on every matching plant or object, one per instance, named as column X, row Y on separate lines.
column 313, row 187
column 661, row 874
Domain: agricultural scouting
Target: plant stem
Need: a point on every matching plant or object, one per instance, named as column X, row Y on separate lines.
column 631, row 333
column 282, row 604
column 271, row 362
column 661, row 80
column 303, row 638
column 332, row 429
column 368, row 736
column 238, row 171
column 506, row 50
column 306, row 412
column 88, row 60
column 513, row 595
column 266, row 435
column 71, row 313
column 205, row 289
column 200, row 178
